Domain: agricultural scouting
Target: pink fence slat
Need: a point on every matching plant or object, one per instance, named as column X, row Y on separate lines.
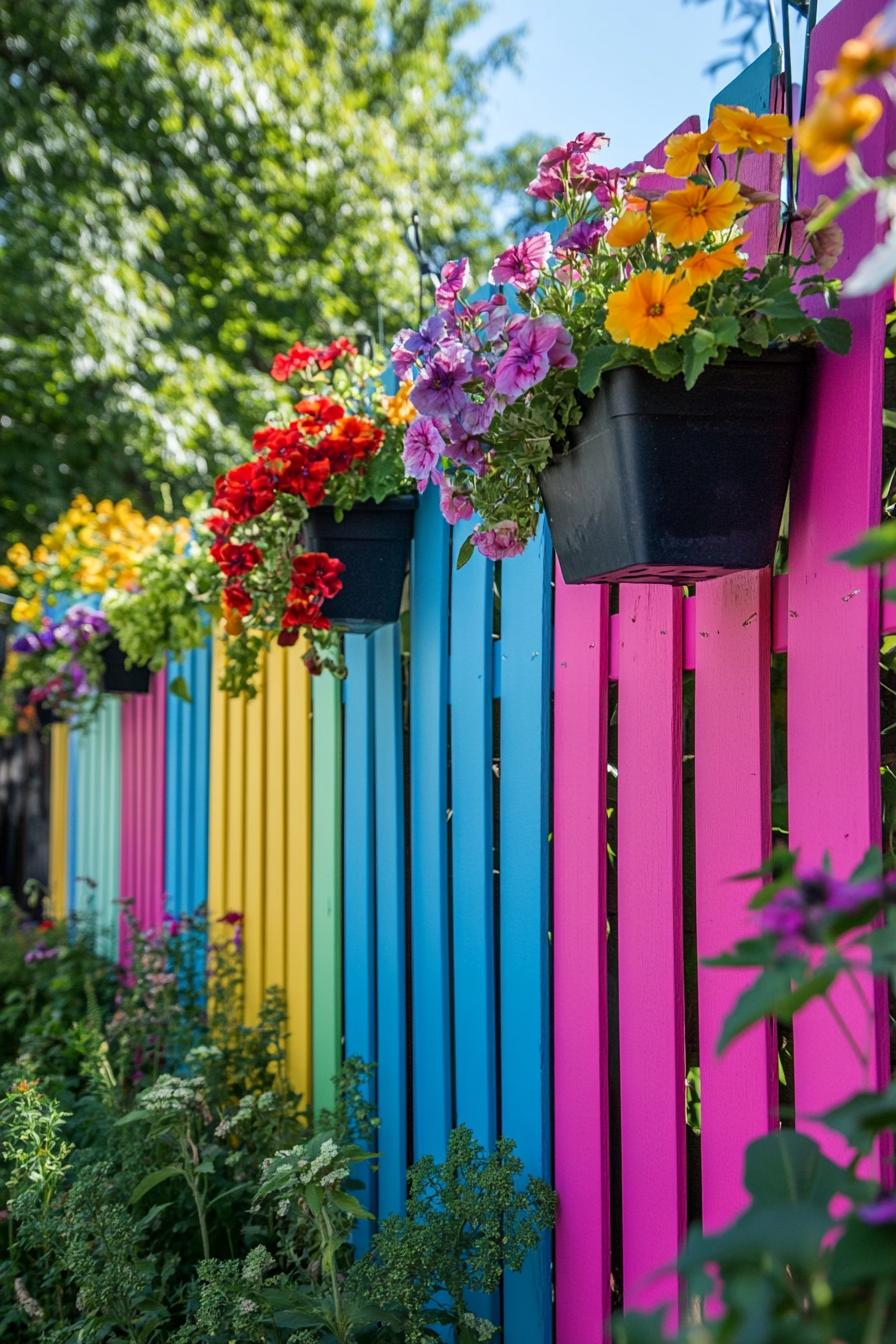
column 834, row 625
column 143, row 807
column 651, row 976
column 581, row 1146
column 733, row 835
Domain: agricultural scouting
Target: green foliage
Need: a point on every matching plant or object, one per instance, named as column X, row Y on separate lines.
column 185, row 185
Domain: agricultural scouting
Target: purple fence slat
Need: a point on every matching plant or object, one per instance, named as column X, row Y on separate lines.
column 143, row 807
column 651, row 976
column 581, row 1145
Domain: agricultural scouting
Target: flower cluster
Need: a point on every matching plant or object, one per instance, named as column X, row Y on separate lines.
column 804, row 913
column 339, row 443
column 630, row 275
column 58, row 666
column 89, row 549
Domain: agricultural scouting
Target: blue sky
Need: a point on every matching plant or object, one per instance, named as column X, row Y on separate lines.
column 631, row 68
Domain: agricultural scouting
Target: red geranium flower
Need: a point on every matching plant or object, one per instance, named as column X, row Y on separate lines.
column 316, row 413
column 245, row 491
column 236, row 598
column 233, row 559
column 304, row 476
column 337, row 349
column 352, row 439
column 315, row 571
column 296, row 359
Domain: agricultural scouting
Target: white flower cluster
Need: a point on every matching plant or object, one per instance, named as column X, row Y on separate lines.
column 247, row 1108
column 169, row 1095
column 200, row 1053
column 479, row 1326
column 313, row 1171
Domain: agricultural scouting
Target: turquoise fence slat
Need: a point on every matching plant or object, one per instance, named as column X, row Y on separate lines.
column 430, row 941
column 391, row 1011
column 96, row 867
column 187, row 784
column 526, row 610
column 359, row 917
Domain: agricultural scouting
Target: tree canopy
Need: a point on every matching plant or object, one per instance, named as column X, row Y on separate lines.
column 187, row 186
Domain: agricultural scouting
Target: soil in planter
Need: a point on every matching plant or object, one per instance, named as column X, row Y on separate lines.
column 373, row 541
column 118, row 678
column 669, row 486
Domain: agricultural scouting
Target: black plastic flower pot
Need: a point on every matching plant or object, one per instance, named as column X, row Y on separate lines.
column 664, row 485
column 45, row 715
column 118, row 678
column 373, row 541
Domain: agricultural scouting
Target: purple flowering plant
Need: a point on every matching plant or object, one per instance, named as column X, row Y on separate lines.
column 624, row 275
column 57, row 666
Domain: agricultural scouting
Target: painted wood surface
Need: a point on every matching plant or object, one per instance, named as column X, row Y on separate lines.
column 833, row 739
column 142, row 856
column 96, row 836
column 651, row 974
column 187, row 725
column 59, row 820
column 326, row 893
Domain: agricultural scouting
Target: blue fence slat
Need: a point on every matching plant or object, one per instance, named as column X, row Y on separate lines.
column 430, row 951
column 187, row 784
column 472, row 843
column 472, row 855
column 359, row 928
column 391, row 1014
column 752, row 87
column 524, row 903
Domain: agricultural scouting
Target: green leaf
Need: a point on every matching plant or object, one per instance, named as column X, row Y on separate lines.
column 794, row 1238
column 873, row 548
column 666, row 360
column 466, row 552
column 594, row 364
column 726, row 330
column 835, row 334
column 699, row 347
column 863, row 1117
column 773, row 994
column 152, row 1179
column 866, row 1253
column 788, row 1168
column 180, row 688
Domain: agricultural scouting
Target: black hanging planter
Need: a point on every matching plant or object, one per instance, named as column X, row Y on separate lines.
column 118, row 679
column 664, row 485
column 45, row 715
column 373, row 541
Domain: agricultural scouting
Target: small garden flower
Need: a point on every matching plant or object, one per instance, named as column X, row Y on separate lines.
column 631, row 228
column 689, row 214
column 651, row 309
column 684, row 152
column 522, row 264
column 735, row 130
column 423, row 447
column 835, row 125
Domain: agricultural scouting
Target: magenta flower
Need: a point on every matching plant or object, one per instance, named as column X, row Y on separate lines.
column 440, row 388
column 465, row 449
column 883, row 1210
column 800, row 915
column 531, row 353
column 477, row 416
column 582, row 237
column 455, row 505
column 569, row 164
column 522, row 264
column 500, row 542
column 423, row 449
column 455, row 276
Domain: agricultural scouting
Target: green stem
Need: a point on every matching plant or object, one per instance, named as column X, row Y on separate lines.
column 850, row 1039
column 329, row 1251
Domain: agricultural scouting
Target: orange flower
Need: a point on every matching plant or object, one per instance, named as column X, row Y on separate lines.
column 631, row 228
column 651, row 309
column 861, row 58
column 684, row 152
column 736, row 129
column 834, row 125
column 399, row 409
column 689, row 214
column 704, row 267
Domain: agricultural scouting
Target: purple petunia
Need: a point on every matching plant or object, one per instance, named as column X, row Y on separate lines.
column 455, row 505
column 455, row 276
column 883, row 1210
column 569, row 164
column 465, row 449
column 423, row 449
column 522, row 264
column 440, row 388
column 797, row 915
column 411, row 346
column 582, row 237
column 536, row 343
column 500, row 542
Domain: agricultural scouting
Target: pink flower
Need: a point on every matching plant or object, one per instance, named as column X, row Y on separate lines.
column 531, row 353
column 423, row 449
column 454, row 504
column 465, row 449
column 500, row 543
column 440, row 388
column 569, row 164
column 455, row 276
column 522, row 264
column 582, row 237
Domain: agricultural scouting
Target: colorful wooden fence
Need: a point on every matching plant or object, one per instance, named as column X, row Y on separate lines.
column 473, row 861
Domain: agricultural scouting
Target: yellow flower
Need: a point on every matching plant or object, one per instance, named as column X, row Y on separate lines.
column 704, row 267
column 834, row 125
column 26, row 609
column 7, row 577
column 399, row 409
column 651, row 309
column 684, row 152
column 41, row 555
column 81, row 501
column 631, row 228
column 689, row 214
column 18, row 554
column 734, row 128
column 863, row 57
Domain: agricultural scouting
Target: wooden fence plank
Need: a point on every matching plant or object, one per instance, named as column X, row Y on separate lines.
column 581, row 1067
column 430, row 967
column 326, row 897
column 526, row 608
column 276, row 895
column 472, row 843
column 359, row 910
column 59, row 820
column 732, row 750
column 254, row 885
column 142, row 851
column 187, row 784
column 651, row 979
column 834, row 629
column 298, row 871
column 391, row 970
